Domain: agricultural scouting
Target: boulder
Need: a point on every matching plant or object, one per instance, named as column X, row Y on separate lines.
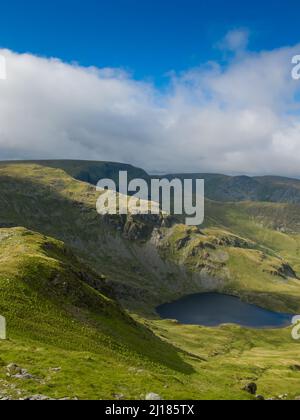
column 251, row 388
column 38, row 398
column 16, row 372
column 55, row 370
column 153, row 397
column 23, row 375
column 13, row 369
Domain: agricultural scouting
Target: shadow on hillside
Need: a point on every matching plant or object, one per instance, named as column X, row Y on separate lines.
column 38, row 207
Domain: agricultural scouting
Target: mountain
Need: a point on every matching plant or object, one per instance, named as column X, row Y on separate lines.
column 218, row 187
column 129, row 250
column 80, row 291
column 88, row 171
column 244, row 188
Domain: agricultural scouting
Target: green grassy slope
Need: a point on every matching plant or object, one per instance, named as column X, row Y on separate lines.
column 218, row 187
column 234, row 265
column 78, row 343
column 244, row 188
column 275, row 227
column 57, row 286
column 51, row 202
column 230, row 357
column 88, row 171
column 51, row 309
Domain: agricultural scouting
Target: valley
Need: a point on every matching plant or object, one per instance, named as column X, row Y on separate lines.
column 79, row 291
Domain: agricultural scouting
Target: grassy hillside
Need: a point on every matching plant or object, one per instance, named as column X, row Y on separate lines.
column 88, row 171
column 63, row 266
column 229, row 357
column 234, row 265
column 51, row 202
column 217, row 187
column 78, row 343
column 244, row 188
column 55, row 305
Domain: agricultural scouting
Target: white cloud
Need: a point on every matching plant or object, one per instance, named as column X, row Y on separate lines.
column 243, row 118
column 235, row 40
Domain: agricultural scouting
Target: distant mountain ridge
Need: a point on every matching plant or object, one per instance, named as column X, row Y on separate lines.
column 218, row 187
column 244, row 188
column 87, row 171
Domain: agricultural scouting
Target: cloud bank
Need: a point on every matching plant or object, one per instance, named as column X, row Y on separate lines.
column 239, row 118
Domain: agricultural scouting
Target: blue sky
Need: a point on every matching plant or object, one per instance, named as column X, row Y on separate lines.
column 167, row 85
column 147, row 37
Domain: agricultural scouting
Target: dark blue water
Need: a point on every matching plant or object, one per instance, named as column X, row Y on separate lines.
column 212, row 309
